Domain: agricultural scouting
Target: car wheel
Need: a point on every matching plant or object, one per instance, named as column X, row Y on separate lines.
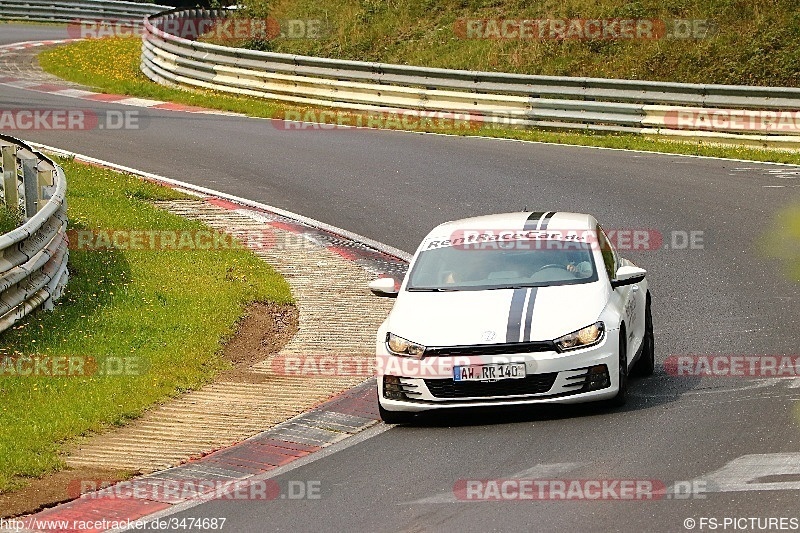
column 647, row 361
column 394, row 417
column 622, row 394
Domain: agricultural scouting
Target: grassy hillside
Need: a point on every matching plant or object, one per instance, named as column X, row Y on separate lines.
column 752, row 42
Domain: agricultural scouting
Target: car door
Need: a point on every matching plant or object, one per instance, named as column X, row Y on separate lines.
column 629, row 300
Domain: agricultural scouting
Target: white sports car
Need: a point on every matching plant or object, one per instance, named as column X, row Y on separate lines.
column 513, row 309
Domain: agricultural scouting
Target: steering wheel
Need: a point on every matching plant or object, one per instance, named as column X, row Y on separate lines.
column 552, row 265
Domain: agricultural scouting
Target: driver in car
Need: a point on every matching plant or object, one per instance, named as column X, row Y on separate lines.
column 581, row 269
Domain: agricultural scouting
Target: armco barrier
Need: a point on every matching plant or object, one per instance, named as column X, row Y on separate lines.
column 59, row 11
column 33, row 257
column 509, row 99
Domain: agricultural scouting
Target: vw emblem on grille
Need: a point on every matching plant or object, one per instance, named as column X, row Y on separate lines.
column 487, row 336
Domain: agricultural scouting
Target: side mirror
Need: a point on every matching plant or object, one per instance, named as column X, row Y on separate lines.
column 628, row 275
column 383, row 287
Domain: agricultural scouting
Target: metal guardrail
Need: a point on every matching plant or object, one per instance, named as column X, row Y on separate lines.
column 33, row 257
column 510, row 99
column 60, row 11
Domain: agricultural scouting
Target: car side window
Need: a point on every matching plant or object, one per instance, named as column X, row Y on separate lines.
column 609, row 256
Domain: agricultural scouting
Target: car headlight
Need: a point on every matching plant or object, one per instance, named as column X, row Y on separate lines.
column 400, row 346
column 582, row 338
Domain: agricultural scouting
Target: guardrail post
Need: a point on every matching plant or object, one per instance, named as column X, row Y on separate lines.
column 8, row 162
column 30, row 180
column 46, row 183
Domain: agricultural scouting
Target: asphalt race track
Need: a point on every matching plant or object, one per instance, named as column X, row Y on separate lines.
column 726, row 298
column 15, row 33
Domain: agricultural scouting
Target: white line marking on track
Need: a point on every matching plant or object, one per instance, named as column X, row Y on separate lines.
column 391, row 250
column 482, row 137
column 744, row 473
column 74, row 93
column 139, row 102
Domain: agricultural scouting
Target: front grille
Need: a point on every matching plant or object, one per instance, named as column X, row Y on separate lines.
column 505, row 348
column 531, row 384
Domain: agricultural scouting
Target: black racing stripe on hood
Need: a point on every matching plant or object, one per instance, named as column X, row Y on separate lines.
column 529, row 314
column 546, row 220
column 515, row 315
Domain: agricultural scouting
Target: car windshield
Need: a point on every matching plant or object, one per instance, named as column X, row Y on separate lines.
column 453, row 268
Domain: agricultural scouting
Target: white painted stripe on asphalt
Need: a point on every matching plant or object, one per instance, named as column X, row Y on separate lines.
column 23, row 44
column 243, row 201
column 74, row 93
column 546, row 143
column 139, row 102
column 255, row 215
column 216, row 112
column 744, row 473
column 358, row 438
column 627, row 150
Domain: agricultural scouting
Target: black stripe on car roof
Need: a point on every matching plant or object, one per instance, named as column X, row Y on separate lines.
column 538, row 220
column 546, row 220
column 533, row 220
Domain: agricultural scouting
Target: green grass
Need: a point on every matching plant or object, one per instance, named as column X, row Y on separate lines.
column 754, row 43
column 170, row 310
column 10, row 218
column 112, row 65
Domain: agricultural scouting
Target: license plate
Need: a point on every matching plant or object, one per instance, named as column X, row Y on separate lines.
column 491, row 372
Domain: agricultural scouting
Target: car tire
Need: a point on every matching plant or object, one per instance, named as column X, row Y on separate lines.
column 646, row 364
column 394, row 417
column 622, row 394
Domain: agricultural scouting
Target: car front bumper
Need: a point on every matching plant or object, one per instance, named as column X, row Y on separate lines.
column 551, row 378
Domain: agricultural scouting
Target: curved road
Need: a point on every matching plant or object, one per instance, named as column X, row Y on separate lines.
column 726, row 298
